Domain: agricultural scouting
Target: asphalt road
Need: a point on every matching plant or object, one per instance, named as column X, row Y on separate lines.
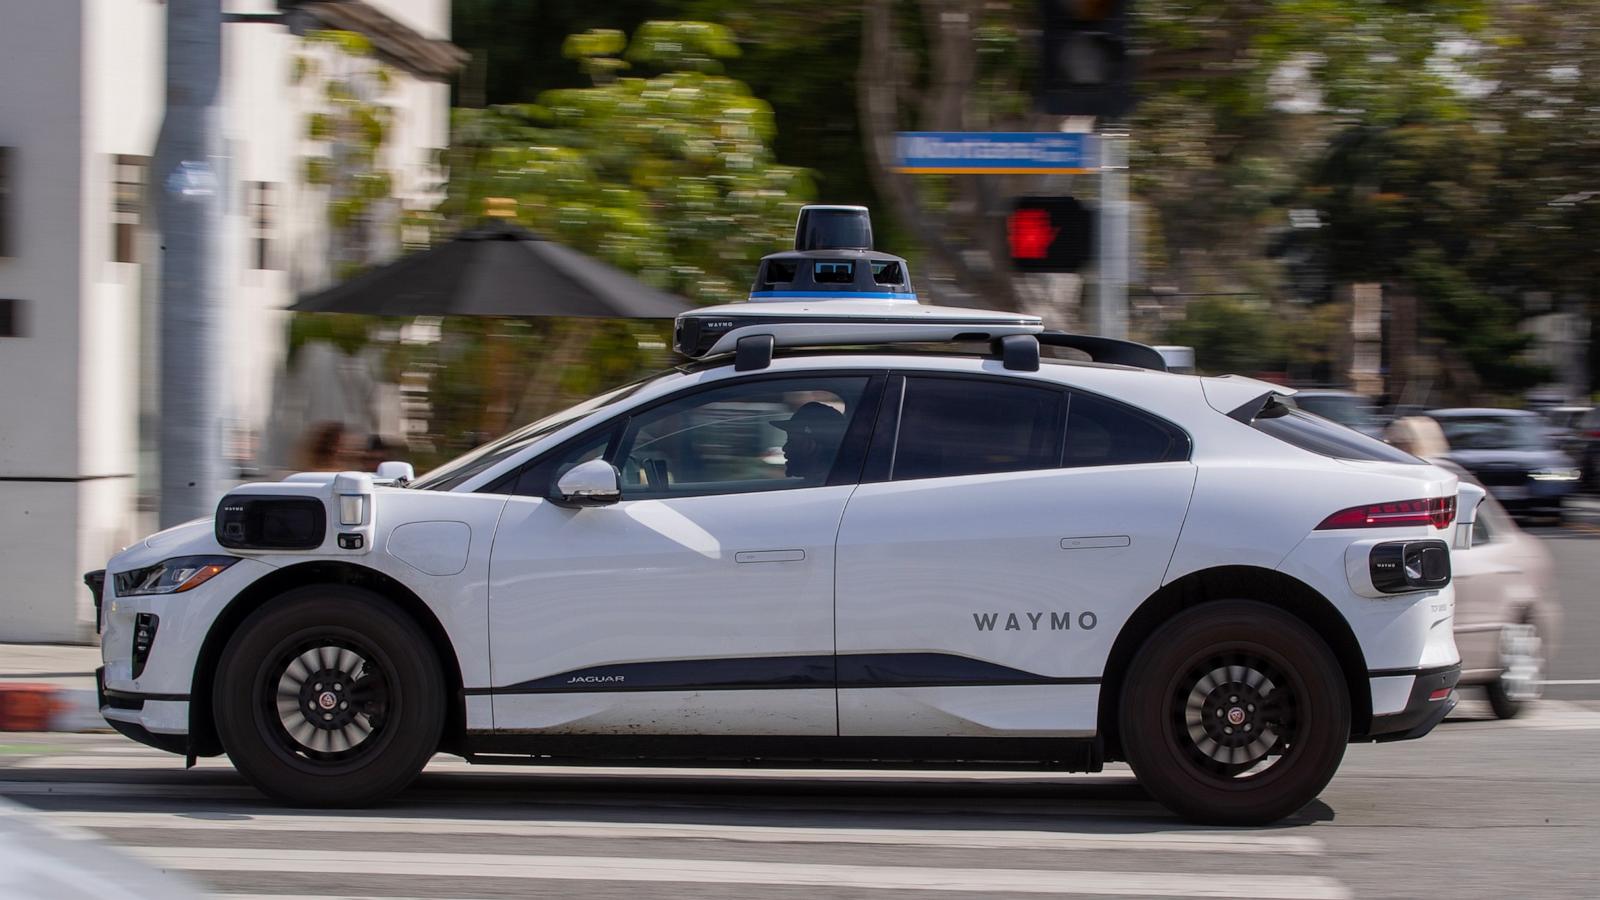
column 1575, row 549
column 1479, row 808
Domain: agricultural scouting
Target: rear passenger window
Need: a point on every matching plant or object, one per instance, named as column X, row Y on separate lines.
column 1103, row 433
column 961, row 426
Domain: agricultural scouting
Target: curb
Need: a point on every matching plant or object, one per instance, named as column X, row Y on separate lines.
column 27, row 706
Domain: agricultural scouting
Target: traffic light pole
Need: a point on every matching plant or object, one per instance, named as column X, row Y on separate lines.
column 189, row 185
column 1112, row 287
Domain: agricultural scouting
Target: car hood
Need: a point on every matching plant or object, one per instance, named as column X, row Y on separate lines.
column 194, row 538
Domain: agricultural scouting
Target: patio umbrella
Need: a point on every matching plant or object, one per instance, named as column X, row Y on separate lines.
column 497, row 269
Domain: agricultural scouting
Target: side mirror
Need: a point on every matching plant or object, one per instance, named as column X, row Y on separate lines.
column 592, row 483
column 399, row 473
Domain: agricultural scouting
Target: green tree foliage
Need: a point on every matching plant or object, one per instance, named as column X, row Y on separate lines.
column 661, row 166
column 1228, row 335
column 349, row 123
column 666, row 171
column 1478, row 199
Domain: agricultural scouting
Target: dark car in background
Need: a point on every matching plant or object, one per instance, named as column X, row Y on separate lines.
column 1566, row 428
column 1588, row 454
column 1513, row 454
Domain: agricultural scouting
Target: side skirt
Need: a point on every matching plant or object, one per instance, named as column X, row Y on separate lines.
column 1063, row 754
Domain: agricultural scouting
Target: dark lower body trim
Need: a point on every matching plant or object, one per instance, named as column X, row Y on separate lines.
column 172, row 743
column 766, row 673
column 59, row 479
column 1421, row 714
column 1071, row 754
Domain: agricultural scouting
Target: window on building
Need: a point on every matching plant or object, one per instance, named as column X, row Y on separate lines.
column 963, row 426
column 263, row 219
column 127, row 212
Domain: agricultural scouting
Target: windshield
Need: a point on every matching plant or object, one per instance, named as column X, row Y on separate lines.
column 1493, row 433
column 1352, row 412
column 481, row 459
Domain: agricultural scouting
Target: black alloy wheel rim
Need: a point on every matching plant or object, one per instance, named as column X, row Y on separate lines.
column 328, row 699
column 1236, row 715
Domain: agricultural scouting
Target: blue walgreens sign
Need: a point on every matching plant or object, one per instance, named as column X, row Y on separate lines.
column 995, row 153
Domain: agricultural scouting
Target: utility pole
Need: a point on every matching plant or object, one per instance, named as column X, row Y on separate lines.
column 1112, row 290
column 188, row 178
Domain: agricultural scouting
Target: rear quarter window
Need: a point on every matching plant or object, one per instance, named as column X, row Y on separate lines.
column 1320, row 436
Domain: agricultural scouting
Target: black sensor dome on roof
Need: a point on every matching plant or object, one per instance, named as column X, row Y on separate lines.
column 833, row 259
column 835, row 291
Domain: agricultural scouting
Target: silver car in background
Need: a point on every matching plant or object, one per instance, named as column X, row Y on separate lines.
column 1505, row 601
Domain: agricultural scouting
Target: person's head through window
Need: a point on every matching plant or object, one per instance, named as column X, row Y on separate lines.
column 815, row 431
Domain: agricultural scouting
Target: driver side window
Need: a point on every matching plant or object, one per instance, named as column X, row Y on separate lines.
column 762, row 435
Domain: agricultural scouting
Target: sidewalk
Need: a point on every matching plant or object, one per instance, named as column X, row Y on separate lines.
column 48, row 687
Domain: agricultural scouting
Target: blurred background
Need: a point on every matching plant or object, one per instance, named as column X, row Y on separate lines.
column 1385, row 200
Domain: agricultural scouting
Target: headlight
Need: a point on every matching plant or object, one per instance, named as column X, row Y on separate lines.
column 1554, row 474
column 172, row 576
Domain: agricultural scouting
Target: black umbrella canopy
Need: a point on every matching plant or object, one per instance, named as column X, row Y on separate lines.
column 498, row 269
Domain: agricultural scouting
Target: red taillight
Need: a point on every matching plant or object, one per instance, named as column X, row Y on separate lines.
column 1436, row 511
column 1593, row 432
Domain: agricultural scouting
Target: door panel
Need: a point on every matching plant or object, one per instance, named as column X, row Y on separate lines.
column 598, row 614
column 1027, row 572
column 702, row 602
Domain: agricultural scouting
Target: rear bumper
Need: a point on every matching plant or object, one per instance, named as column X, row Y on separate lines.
column 1422, row 712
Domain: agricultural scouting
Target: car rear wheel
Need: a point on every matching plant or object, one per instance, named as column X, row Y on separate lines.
column 1521, row 678
column 329, row 696
column 1234, row 713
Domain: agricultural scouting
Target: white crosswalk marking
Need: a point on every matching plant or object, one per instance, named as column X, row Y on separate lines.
column 709, row 871
column 591, row 832
column 1207, row 841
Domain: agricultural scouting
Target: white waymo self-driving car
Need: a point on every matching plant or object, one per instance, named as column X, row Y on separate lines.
column 813, row 543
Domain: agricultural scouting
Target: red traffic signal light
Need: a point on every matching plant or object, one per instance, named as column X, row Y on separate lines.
column 1049, row 234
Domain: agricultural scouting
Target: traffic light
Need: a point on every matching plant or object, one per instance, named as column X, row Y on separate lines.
column 1049, row 234
column 1085, row 68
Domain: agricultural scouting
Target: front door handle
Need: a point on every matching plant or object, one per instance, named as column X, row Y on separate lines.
column 764, row 556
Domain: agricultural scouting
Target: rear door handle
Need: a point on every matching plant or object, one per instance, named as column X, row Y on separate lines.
column 764, row 556
column 1095, row 542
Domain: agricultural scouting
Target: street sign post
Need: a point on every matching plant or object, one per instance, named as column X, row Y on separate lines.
column 1043, row 153
column 996, row 153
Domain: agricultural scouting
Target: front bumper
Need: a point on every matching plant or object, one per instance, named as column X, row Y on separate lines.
column 1422, row 711
column 157, row 720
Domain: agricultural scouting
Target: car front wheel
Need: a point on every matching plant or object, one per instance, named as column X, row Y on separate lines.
column 329, row 696
column 1234, row 713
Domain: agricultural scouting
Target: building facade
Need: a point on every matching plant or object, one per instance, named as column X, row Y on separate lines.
column 81, row 101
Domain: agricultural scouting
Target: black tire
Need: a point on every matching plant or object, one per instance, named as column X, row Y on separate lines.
column 1512, row 693
column 324, row 643
column 1276, row 757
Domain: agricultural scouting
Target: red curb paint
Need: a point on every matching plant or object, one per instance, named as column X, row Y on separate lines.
column 27, row 707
